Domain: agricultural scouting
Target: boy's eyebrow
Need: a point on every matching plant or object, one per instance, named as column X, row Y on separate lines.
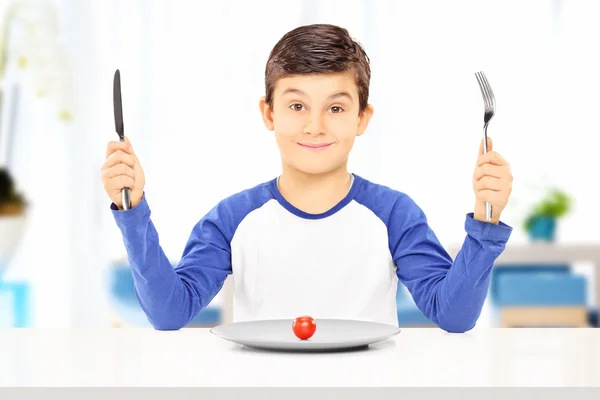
column 333, row 96
column 340, row 94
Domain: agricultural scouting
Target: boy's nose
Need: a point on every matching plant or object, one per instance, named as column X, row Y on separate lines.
column 314, row 124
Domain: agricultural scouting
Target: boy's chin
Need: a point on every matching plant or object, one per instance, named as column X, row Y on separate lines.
column 312, row 169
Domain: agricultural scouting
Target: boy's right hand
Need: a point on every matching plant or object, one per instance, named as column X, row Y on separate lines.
column 122, row 169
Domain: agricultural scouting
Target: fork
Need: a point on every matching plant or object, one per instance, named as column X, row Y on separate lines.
column 489, row 103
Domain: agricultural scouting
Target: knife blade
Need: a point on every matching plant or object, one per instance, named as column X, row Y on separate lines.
column 120, row 129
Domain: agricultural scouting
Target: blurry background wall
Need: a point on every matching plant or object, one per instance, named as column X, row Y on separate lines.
column 192, row 73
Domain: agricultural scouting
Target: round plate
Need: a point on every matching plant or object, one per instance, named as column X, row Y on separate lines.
column 331, row 334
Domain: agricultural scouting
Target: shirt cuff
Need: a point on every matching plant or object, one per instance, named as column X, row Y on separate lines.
column 140, row 211
column 486, row 231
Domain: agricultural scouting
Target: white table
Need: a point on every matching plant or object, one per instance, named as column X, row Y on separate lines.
column 195, row 357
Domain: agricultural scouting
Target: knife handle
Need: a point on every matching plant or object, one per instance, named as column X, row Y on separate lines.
column 125, row 194
column 125, row 198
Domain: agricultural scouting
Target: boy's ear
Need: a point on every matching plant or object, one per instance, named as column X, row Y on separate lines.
column 364, row 118
column 266, row 113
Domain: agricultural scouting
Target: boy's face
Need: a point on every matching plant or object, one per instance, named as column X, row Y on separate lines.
column 316, row 119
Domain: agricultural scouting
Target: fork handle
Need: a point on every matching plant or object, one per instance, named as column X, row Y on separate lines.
column 488, row 206
column 125, row 192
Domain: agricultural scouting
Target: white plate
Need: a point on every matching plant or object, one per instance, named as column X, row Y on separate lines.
column 331, row 334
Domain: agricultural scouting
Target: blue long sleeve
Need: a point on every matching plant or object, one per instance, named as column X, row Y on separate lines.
column 172, row 297
column 451, row 293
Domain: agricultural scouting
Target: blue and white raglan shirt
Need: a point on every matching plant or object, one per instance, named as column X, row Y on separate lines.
column 344, row 263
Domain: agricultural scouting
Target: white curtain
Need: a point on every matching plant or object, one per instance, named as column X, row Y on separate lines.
column 192, row 73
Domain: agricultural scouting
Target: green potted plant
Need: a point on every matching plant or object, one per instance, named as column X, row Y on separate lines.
column 39, row 57
column 12, row 218
column 11, row 202
column 540, row 223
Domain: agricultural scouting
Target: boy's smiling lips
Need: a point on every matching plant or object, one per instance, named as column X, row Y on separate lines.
column 315, row 146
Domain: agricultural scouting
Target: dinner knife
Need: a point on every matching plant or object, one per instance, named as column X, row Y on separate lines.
column 118, row 108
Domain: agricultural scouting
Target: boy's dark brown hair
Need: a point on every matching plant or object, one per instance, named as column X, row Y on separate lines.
column 318, row 49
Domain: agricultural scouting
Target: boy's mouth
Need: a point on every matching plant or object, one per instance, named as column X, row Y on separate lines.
column 315, row 146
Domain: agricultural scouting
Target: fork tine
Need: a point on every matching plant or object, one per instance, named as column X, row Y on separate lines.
column 485, row 90
column 479, row 81
column 489, row 102
column 489, row 88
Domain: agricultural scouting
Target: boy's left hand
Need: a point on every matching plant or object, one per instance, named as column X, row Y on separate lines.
column 492, row 182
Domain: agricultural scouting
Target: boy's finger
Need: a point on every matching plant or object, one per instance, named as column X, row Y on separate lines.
column 115, row 145
column 120, row 169
column 488, row 170
column 491, row 158
column 119, row 157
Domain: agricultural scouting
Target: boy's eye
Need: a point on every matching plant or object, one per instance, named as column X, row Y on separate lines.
column 296, row 107
column 336, row 109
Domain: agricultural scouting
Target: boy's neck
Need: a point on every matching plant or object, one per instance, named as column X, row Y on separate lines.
column 314, row 194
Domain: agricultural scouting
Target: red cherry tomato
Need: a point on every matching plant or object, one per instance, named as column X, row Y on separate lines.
column 304, row 327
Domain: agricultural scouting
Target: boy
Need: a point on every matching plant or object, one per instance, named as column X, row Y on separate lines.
column 317, row 240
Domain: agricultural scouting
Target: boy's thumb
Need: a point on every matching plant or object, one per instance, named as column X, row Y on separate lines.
column 489, row 142
column 128, row 142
